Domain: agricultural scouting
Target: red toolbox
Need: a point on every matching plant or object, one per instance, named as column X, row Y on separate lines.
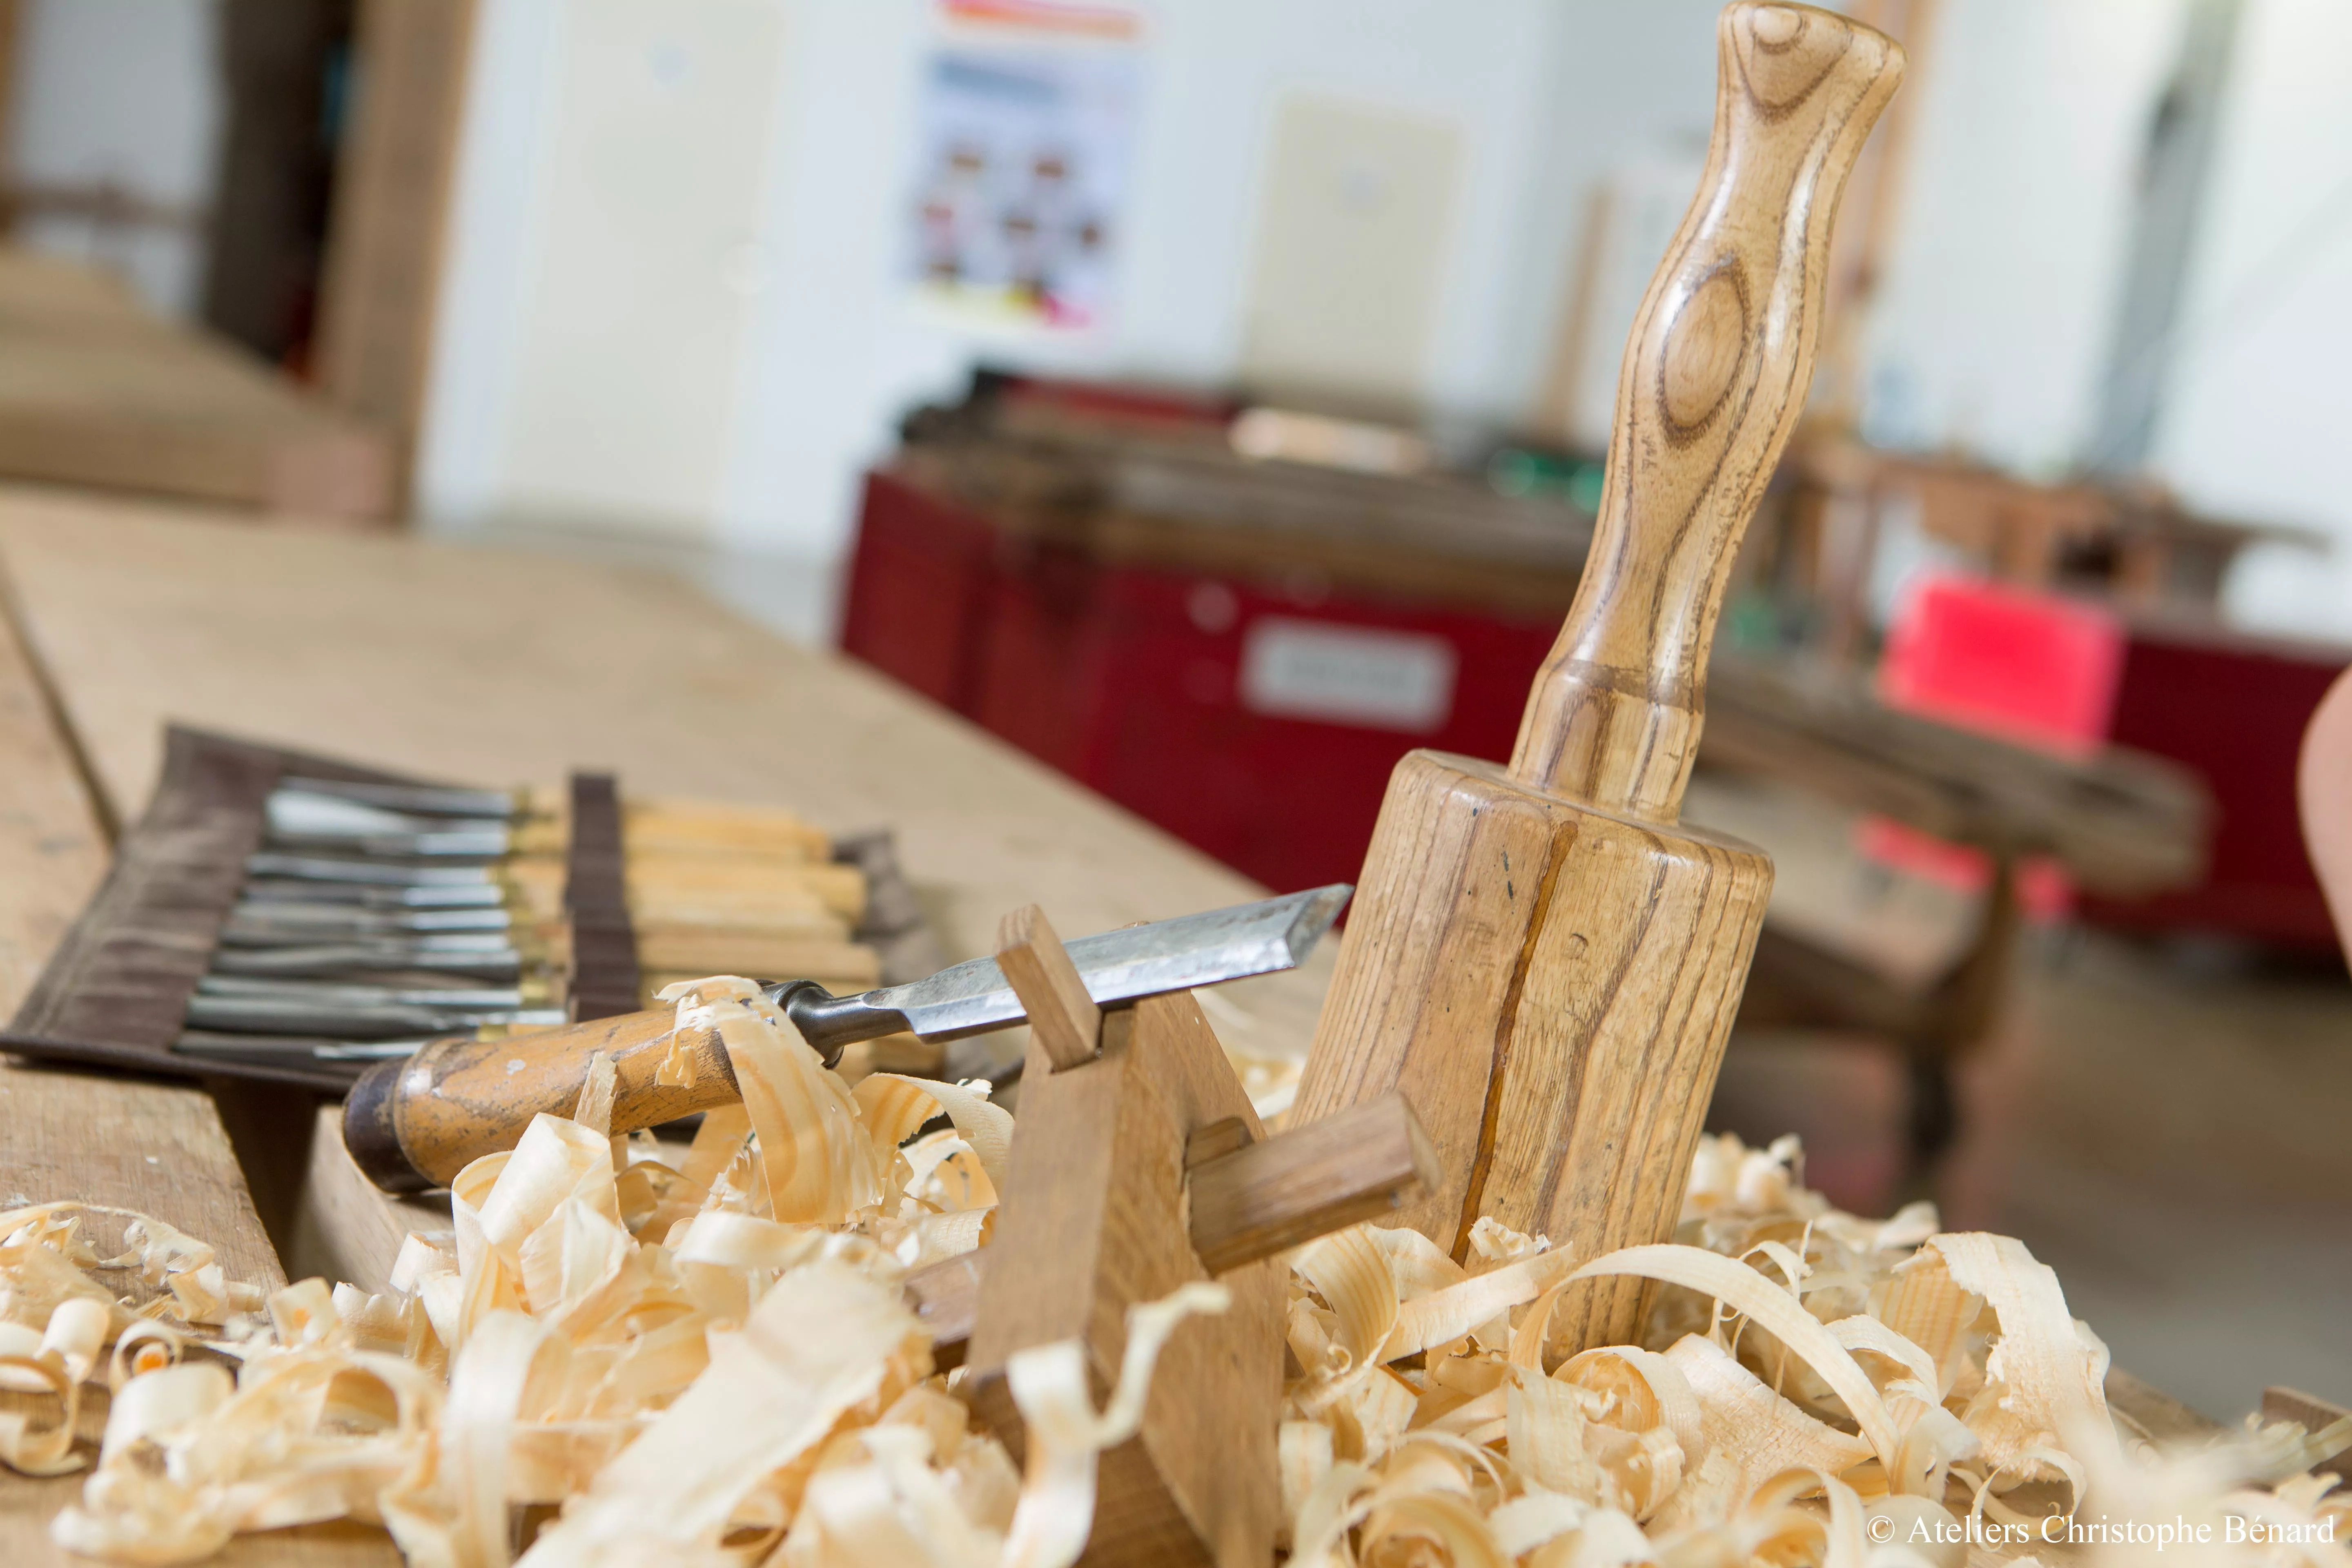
column 1239, row 651
column 1246, row 701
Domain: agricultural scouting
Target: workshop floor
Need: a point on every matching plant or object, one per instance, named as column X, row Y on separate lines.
column 2172, row 1142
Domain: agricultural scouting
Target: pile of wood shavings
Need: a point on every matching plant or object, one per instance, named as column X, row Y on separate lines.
column 1812, row 1387
column 711, row 1361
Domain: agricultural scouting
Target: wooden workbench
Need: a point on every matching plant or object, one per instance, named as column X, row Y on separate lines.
column 497, row 668
column 157, row 1148
column 482, row 667
column 94, row 389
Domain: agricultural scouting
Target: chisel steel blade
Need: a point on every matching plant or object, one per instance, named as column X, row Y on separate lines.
column 265, row 895
column 376, row 873
column 470, row 998
column 352, row 1054
column 350, row 958
column 414, row 800
column 313, row 922
column 970, row 998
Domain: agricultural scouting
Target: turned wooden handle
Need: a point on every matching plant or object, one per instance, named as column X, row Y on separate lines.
column 1713, row 381
column 414, row 1124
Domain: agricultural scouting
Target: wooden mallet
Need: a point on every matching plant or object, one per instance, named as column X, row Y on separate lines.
column 1542, row 957
column 1138, row 1166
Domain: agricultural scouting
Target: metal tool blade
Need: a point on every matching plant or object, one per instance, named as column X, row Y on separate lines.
column 468, row 998
column 971, row 998
column 464, row 843
column 238, row 933
column 264, row 894
column 415, row 800
column 352, row 1054
column 327, row 959
column 269, row 1016
column 276, row 918
column 374, row 873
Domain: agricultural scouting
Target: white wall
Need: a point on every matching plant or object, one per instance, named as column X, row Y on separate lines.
column 837, row 348
column 126, row 92
column 2257, row 407
column 1990, row 335
column 1992, row 326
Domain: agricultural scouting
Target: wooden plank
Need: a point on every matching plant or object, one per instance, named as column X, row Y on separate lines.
column 500, row 668
column 344, row 1227
column 114, row 1140
column 2314, row 1414
column 94, row 390
column 388, row 229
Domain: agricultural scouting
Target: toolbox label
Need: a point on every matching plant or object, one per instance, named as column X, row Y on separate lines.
column 1347, row 674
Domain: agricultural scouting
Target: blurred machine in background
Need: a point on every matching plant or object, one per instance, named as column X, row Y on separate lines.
column 1238, row 647
column 1237, row 650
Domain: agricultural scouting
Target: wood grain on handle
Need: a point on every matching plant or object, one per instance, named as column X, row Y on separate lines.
column 1713, row 381
column 414, row 1124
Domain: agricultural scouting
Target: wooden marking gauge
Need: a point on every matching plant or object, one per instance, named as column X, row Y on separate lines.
column 1138, row 1166
column 1542, row 957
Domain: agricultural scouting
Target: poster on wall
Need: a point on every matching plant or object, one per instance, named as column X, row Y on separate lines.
column 1022, row 154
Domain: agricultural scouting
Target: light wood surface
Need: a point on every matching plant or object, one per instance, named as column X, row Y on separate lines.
column 116, row 1140
column 95, row 391
column 494, row 668
column 1543, row 963
column 1090, row 1221
column 344, row 1227
column 1063, row 1022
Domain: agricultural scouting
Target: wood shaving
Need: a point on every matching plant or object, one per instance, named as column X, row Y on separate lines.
column 1812, row 1387
column 645, row 1356
column 706, row 1357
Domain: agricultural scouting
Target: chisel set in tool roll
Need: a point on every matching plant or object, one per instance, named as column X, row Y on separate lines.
column 375, row 917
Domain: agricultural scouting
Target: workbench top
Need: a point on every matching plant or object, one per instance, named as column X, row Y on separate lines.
column 494, row 669
column 487, row 668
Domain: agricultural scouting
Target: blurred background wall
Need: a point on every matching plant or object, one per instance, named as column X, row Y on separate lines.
column 675, row 294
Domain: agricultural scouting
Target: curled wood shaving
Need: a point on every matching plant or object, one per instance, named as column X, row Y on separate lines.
column 699, row 1357
column 1810, row 1387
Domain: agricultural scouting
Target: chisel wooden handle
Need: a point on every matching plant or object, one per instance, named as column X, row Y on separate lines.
column 413, row 1124
column 1712, row 382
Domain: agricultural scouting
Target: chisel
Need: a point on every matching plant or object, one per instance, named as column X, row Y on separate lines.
column 391, row 1015
column 463, row 955
column 269, row 892
column 267, row 923
column 353, row 1055
column 416, row 1123
column 1544, row 959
